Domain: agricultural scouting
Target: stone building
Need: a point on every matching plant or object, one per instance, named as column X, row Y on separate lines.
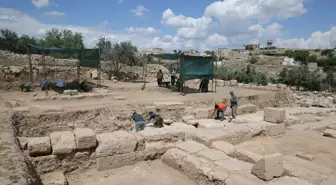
column 252, row 46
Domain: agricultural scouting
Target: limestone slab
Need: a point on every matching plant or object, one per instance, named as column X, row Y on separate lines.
column 224, row 147
column 39, row 146
column 272, row 129
column 62, row 142
column 115, row 161
column 212, row 155
column 274, row 115
column 233, row 164
column 191, row 147
column 119, row 142
column 85, row 138
column 268, row 167
column 245, row 155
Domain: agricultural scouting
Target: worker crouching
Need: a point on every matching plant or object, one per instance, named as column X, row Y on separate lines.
column 220, row 109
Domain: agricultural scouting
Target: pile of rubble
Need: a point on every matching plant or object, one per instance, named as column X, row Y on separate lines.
column 315, row 99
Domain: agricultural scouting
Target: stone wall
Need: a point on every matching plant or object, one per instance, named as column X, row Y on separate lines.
column 15, row 168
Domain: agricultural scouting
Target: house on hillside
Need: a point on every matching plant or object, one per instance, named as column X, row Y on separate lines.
column 158, row 50
column 291, row 62
column 252, row 47
column 224, row 52
column 192, row 52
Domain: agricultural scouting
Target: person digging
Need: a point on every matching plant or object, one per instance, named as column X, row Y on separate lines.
column 220, row 109
column 158, row 120
column 139, row 122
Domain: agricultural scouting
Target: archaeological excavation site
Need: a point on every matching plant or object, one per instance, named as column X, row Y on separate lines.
column 277, row 138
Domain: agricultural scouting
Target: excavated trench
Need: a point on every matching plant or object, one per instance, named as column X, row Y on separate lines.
column 27, row 126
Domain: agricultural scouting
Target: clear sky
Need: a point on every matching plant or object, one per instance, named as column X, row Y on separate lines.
column 180, row 24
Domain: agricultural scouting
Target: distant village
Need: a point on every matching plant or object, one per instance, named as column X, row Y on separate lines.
column 223, row 54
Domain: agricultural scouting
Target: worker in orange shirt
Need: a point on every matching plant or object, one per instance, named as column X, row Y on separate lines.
column 220, row 108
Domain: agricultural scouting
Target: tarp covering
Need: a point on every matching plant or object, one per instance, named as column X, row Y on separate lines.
column 86, row 57
column 90, row 58
column 191, row 67
column 196, row 67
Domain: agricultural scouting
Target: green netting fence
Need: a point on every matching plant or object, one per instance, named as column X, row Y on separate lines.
column 86, row 57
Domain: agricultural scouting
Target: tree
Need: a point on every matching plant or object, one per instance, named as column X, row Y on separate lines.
column 105, row 47
column 177, row 51
column 63, row 39
column 123, row 55
column 311, row 58
column 298, row 55
column 253, row 60
column 326, row 52
column 211, row 53
column 117, row 55
column 283, row 75
column 23, row 42
column 8, row 40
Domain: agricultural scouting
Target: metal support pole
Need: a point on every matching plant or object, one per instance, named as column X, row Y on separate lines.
column 31, row 78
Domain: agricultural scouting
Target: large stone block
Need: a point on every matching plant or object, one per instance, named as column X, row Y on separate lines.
column 119, row 142
column 224, row 147
column 85, row 138
column 205, row 137
column 54, row 178
column 39, row 146
column 62, row 142
column 271, row 129
column 330, row 133
column 154, row 150
column 233, row 164
column 168, row 133
column 174, row 158
column 191, row 147
column 274, row 115
column 212, row 155
column 115, row 161
column 268, row 167
column 247, row 156
column 210, row 123
column 140, row 141
column 292, row 120
column 195, row 168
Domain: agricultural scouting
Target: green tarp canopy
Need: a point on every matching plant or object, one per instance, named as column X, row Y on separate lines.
column 196, row 67
column 191, row 67
column 86, row 57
